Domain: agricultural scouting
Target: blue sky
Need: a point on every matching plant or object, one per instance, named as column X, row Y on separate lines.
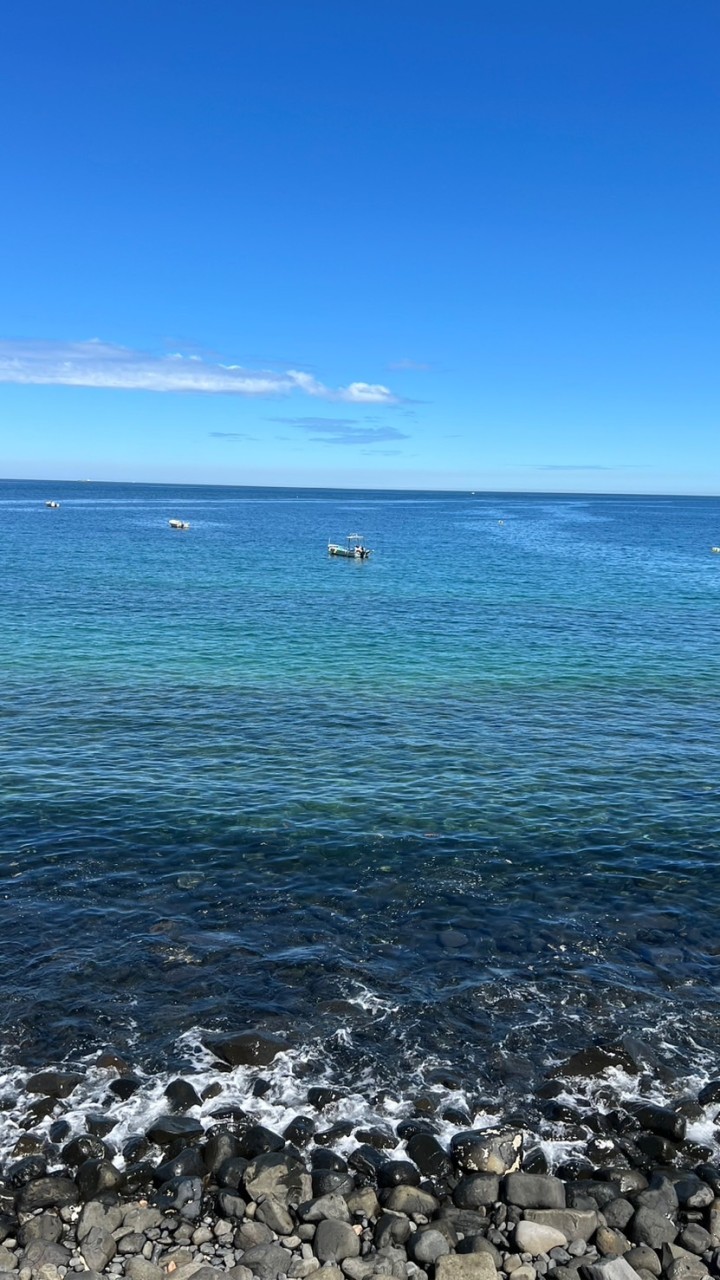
column 389, row 243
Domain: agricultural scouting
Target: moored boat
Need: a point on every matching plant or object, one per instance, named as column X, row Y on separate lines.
column 353, row 549
column 178, row 524
column 52, row 504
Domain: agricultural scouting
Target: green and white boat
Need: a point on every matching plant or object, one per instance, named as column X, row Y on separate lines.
column 353, row 549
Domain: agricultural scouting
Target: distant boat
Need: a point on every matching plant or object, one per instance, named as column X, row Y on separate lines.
column 716, row 550
column 52, row 504
column 178, row 524
column 353, row 549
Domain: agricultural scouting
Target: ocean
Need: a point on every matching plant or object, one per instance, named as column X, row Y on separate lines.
column 439, row 819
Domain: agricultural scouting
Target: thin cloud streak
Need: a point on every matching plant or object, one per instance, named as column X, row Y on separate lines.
column 105, row 365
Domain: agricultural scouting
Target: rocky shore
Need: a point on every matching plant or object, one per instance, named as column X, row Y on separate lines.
column 633, row 1198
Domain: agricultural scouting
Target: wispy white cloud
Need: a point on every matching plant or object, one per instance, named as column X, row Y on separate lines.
column 343, row 430
column 102, row 364
column 411, row 366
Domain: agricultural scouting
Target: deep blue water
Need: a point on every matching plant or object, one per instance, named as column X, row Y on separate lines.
column 245, row 783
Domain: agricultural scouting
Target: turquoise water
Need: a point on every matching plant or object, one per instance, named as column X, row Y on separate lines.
column 247, row 783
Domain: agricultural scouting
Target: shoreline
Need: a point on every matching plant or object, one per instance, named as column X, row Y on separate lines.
column 176, row 1177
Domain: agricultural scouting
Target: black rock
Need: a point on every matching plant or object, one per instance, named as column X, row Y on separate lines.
column 651, row 1227
column 230, row 1118
column 165, row 1129
column 47, row 1193
column 94, row 1177
column 595, row 1060
column 183, row 1195
column 321, row 1096
column 535, row 1161
column 325, row 1181
column 181, row 1095
column 476, row 1190
column 256, row 1140
column 300, row 1130
column 8, row 1225
column 24, row 1171
column 576, row 1169
column 710, row 1173
column 58, row 1131
column 136, row 1148
column 561, row 1112
column 396, row 1173
column 455, row 1115
column 246, row 1048
column 231, row 1172
column 408, row 1128
column 56, row 1084
column 321, row 1158
column 326, row 1137
column 709, row 1093
column 261, row 1087
column 376, row 1137
column 221, row 1146
column 99, row 1124
column 125, row 1086
column 661, row 1120
column 85, row 1147
column 431, row 1159
column 139, row 1178
column 188, row 1163
column 230, row 1205
column 366, row 1161
column 655, row 1149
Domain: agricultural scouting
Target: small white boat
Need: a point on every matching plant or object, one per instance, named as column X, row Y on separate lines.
column 52, row 504
column 716, row 550
column 353, row 549
column 178, row 524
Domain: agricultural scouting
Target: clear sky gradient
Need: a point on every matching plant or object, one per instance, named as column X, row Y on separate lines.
column 388, row 243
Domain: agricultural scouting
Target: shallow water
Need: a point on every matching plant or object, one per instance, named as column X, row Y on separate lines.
column 245, row 783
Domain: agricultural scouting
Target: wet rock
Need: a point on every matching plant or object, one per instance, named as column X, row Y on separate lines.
column 326, row 1181
column 334, row 1241
column 710, row 1092
column 85, row 1147
column 376, row 1137
column 466, row 1266
column 24, row 1171
column 452, row 939
column 660, row 1120
column 220, row 1146
column 692, row 1192
column 246, row 1048
column 655, row 1149
column 181, row 1095
column 267, row 1261
column 487, row 1150
column 426, row 1152
column 322, row 1096
column 166, row 1129
column 125, row 1086
column 230, row 1205
column 395, row 1172
column 231, row 1173
column 97, row 1123
column 188, row 1163
column 55, row 1084
column 534, row 1238
column 183, row 1195
column 97, row 1176
column 366, row 1161
column 300, row 1130
column 256, row 1140
column 47, row 1193
column 595, row 1061
column 534, row 1191
column 476, row 1189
